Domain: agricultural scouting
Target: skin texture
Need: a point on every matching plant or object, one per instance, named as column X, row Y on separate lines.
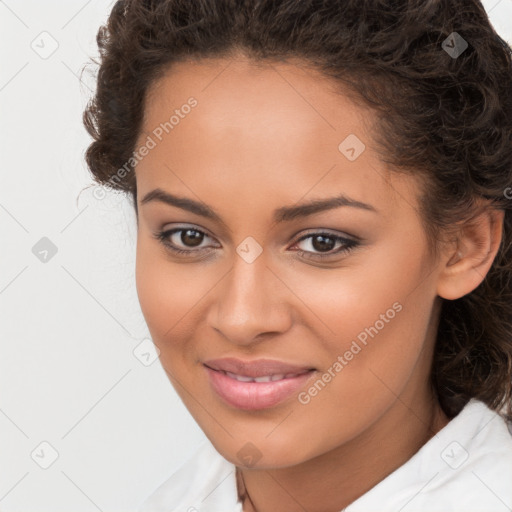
column 260, row 138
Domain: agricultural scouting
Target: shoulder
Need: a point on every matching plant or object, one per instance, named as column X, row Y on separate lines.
column 466, row 466
column 206, row 482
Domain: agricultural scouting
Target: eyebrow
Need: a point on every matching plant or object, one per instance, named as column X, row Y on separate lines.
column 283, row 214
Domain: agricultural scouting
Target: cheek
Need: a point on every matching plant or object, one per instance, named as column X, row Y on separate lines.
column 367, row 360
column 170, row 296
column 163, row 298
column 344, row 304
column 151, row 285
column 372, row 314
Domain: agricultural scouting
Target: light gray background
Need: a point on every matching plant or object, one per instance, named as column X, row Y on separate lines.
column 72, row 371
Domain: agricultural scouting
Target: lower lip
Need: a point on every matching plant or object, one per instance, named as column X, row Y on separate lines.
column 255, row 395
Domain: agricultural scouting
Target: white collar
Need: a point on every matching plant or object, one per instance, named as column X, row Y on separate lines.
column 466, row 466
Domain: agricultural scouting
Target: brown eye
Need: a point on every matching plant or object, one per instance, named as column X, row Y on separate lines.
column 183, row 241
column 321, row 245
column 191, row 237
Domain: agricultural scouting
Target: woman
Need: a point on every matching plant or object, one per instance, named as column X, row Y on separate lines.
column 324, row 256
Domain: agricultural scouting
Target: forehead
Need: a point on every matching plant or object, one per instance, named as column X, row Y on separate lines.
column 279, row 127
column 273, row 94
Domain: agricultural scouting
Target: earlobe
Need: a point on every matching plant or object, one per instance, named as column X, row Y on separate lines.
column 466, row 265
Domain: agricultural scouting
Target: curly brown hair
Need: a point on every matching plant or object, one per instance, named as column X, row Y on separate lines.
column 439, row 79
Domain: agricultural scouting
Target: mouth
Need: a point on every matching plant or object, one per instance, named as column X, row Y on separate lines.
column 257, row 367
column 260, row 392
column 263, row 378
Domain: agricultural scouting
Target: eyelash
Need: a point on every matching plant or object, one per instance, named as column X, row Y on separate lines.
column 350, row 244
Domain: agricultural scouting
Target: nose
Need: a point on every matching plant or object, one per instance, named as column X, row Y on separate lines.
column 250, row 302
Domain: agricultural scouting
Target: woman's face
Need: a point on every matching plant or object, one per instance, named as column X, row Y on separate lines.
column 343, row 291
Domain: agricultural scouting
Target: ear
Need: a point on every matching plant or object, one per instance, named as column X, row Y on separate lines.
column 466, row 261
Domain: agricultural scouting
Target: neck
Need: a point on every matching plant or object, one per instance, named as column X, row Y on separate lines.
column 346, row 473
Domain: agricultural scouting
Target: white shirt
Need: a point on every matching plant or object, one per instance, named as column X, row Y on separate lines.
column 465, row 467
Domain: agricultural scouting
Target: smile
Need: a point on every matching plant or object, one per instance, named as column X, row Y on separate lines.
column 264, row 378
column 251, row 393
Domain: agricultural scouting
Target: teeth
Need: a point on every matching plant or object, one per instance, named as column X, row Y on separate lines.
column 241, row 378
column 288, row 375
column 265, row 378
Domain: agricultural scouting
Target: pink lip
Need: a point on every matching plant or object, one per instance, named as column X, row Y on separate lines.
column 256, row 368
column 255, row 395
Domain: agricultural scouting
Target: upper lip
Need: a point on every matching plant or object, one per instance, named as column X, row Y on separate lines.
column 256, row 368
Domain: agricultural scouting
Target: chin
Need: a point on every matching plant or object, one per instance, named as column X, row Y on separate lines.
column 266, row 454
